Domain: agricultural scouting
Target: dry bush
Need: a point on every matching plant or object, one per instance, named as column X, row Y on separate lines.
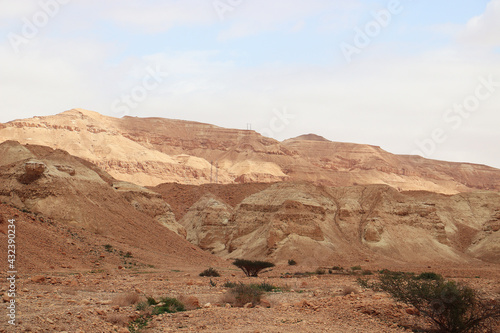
column 190, row 302
column 126, row 299
column 117, row 319
column 347, row 290
column 228, row 298
column 242, row 294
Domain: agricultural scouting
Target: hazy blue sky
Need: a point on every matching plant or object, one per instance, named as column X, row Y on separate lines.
column 411, row 76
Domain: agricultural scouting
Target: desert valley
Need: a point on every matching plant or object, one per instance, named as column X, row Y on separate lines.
column 111, row 213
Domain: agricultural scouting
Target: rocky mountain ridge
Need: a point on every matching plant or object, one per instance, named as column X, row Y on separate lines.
column 151, row 151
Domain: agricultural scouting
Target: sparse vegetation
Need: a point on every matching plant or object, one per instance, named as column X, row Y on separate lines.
column 151, row 301
column 356, row 268
column 151, row 308
column 292, row 262
column 117, row 319
column 210, row 272
column 229, row 284
column 242, row 294
column 251, row 267
column 138, row 324
column 319, row 271
column 108, row 247
column 168, row 305
column 450, row 306
column 126, row 299
column 429, row 276
column 264, row 286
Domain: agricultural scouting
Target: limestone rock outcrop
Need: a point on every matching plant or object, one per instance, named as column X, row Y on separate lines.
column 317, row 225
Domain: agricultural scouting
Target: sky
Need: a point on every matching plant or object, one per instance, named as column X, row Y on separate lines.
column 413, row 77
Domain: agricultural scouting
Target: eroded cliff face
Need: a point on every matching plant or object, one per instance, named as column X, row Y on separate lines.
column 207, row 224
column 318, row 225
column 151, row 151
column 63, row 187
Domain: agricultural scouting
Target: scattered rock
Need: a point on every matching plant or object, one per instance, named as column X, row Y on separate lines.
column 265, row 303
column 38, row 278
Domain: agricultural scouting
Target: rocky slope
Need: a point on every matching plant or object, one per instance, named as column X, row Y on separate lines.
column 150, row 151
column 319, row 225
column 52, row 185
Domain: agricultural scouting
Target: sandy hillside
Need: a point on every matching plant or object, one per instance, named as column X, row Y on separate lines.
column 52, row 185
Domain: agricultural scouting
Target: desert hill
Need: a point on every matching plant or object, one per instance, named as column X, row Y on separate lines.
column 319, row 225
column 72, row 206
column 151, row 151
column 89, row 247
column 311, row 223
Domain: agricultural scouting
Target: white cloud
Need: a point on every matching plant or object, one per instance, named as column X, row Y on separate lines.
column 156, row 16
column 376, row 99
column 16, row 10
column 256, row 16
column 484, row 29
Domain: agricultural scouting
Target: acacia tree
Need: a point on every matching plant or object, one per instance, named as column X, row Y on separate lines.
column 252, row 267
column 452, row 307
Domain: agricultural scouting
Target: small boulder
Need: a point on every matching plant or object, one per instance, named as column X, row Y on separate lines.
column 38, row 278
column 32, row 171
column 34, row 168
column 265, row 303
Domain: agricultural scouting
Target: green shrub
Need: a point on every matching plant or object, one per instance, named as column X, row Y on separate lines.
column 251, row 267
column 138, row 324
column 356, row 268
column 210, row 272
column 151, row 301
column 108, row 247
column 229, row 284
column 364, row 283
column 168, row 305
column 142, row 306
column 292, row 262
column 264, row 287
column 366, row 272
column 451, row 307
column 152, row 308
